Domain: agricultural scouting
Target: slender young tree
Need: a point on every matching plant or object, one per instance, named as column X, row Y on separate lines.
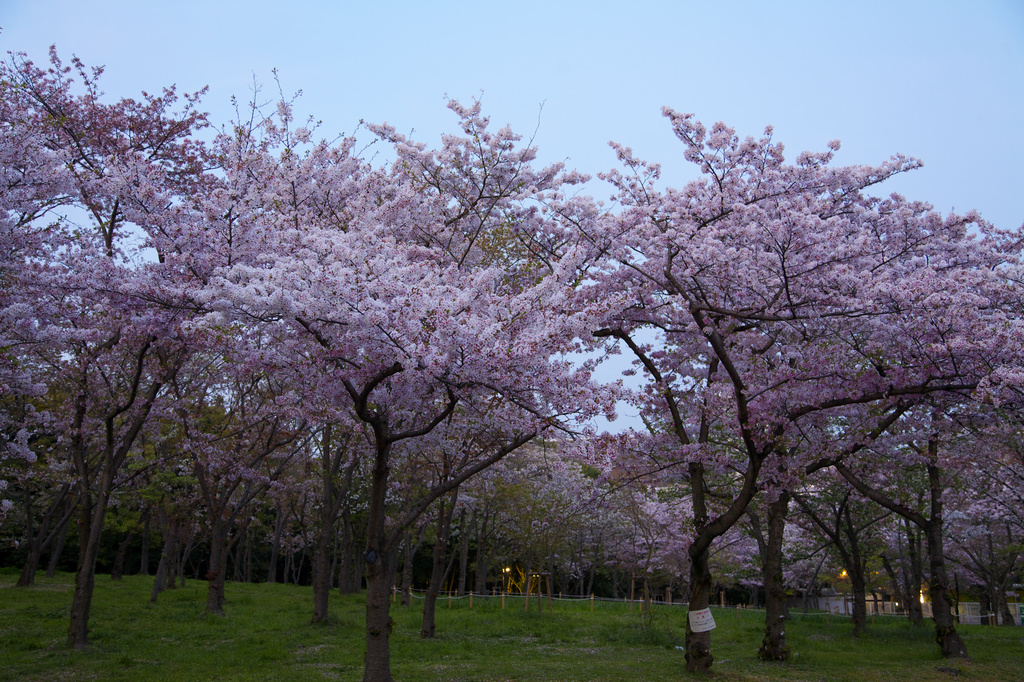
column 339, row 451
column 986, row 523
column 932, row 524
column 844, row 522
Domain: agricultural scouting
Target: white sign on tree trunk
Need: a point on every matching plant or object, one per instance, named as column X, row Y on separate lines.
column 701, row 621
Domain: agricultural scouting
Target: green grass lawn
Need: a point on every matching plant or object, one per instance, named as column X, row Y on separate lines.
column 266, row 636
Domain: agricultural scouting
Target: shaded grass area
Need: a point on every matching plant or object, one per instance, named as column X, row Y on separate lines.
column 266, row 635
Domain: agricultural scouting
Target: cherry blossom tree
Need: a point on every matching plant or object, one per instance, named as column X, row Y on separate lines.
column 392, row 288
column 239, row 443
column 434, row 310
column 42, row 486
column 653, row 538
column 982, row 501
column 986, row 541
column 340, row 449
column 833, row 512
column 768, row 301
column 902, row 550
column 173, row 501
column 34, row 184
column 120, row 167
column 543, row 501
column 537, row 509
column 931, row 452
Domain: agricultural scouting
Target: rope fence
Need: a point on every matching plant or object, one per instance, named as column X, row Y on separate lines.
column 882, row 611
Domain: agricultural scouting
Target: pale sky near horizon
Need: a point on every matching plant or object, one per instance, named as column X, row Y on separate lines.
column 939, row 80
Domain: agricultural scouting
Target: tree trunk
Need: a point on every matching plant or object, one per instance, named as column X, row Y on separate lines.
column 93, row 503
column 410, row 550
column 427, row 625
column 945, row 630
column 985, row 605
column 407, row 558
column 482, row 563
column 698, row 644
column 1002, row 604
column 297, row 567
column 858, row 586
column 180, row 558
column 1005, row 615
column 248, row 556
column 28, row 571
column 774, row 646
column 938, row 586
column 856, row 568
column 117, row 572
column 380, row 576
column 942, row 613
column 464, row 532
column 914, row 575
column 90, row 527
column 350, row 580
column 144, row 552
column 438, row 570
column 335, row 555
column 322, row 569
column 35, row 551
column 528, row 587
column 289, row 557
column 39, row 540
column 347, row 554
column 380, row 559
column 275, row 548
column 173, row 563
column 357, row 577
column 898, row 593
column 160, row 580
column 238, row 563
column 168, row 552
column 58, row 549
column 215, row 575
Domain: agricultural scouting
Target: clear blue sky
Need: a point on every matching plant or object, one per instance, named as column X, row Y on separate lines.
column 943, row 81
column 939, row 80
